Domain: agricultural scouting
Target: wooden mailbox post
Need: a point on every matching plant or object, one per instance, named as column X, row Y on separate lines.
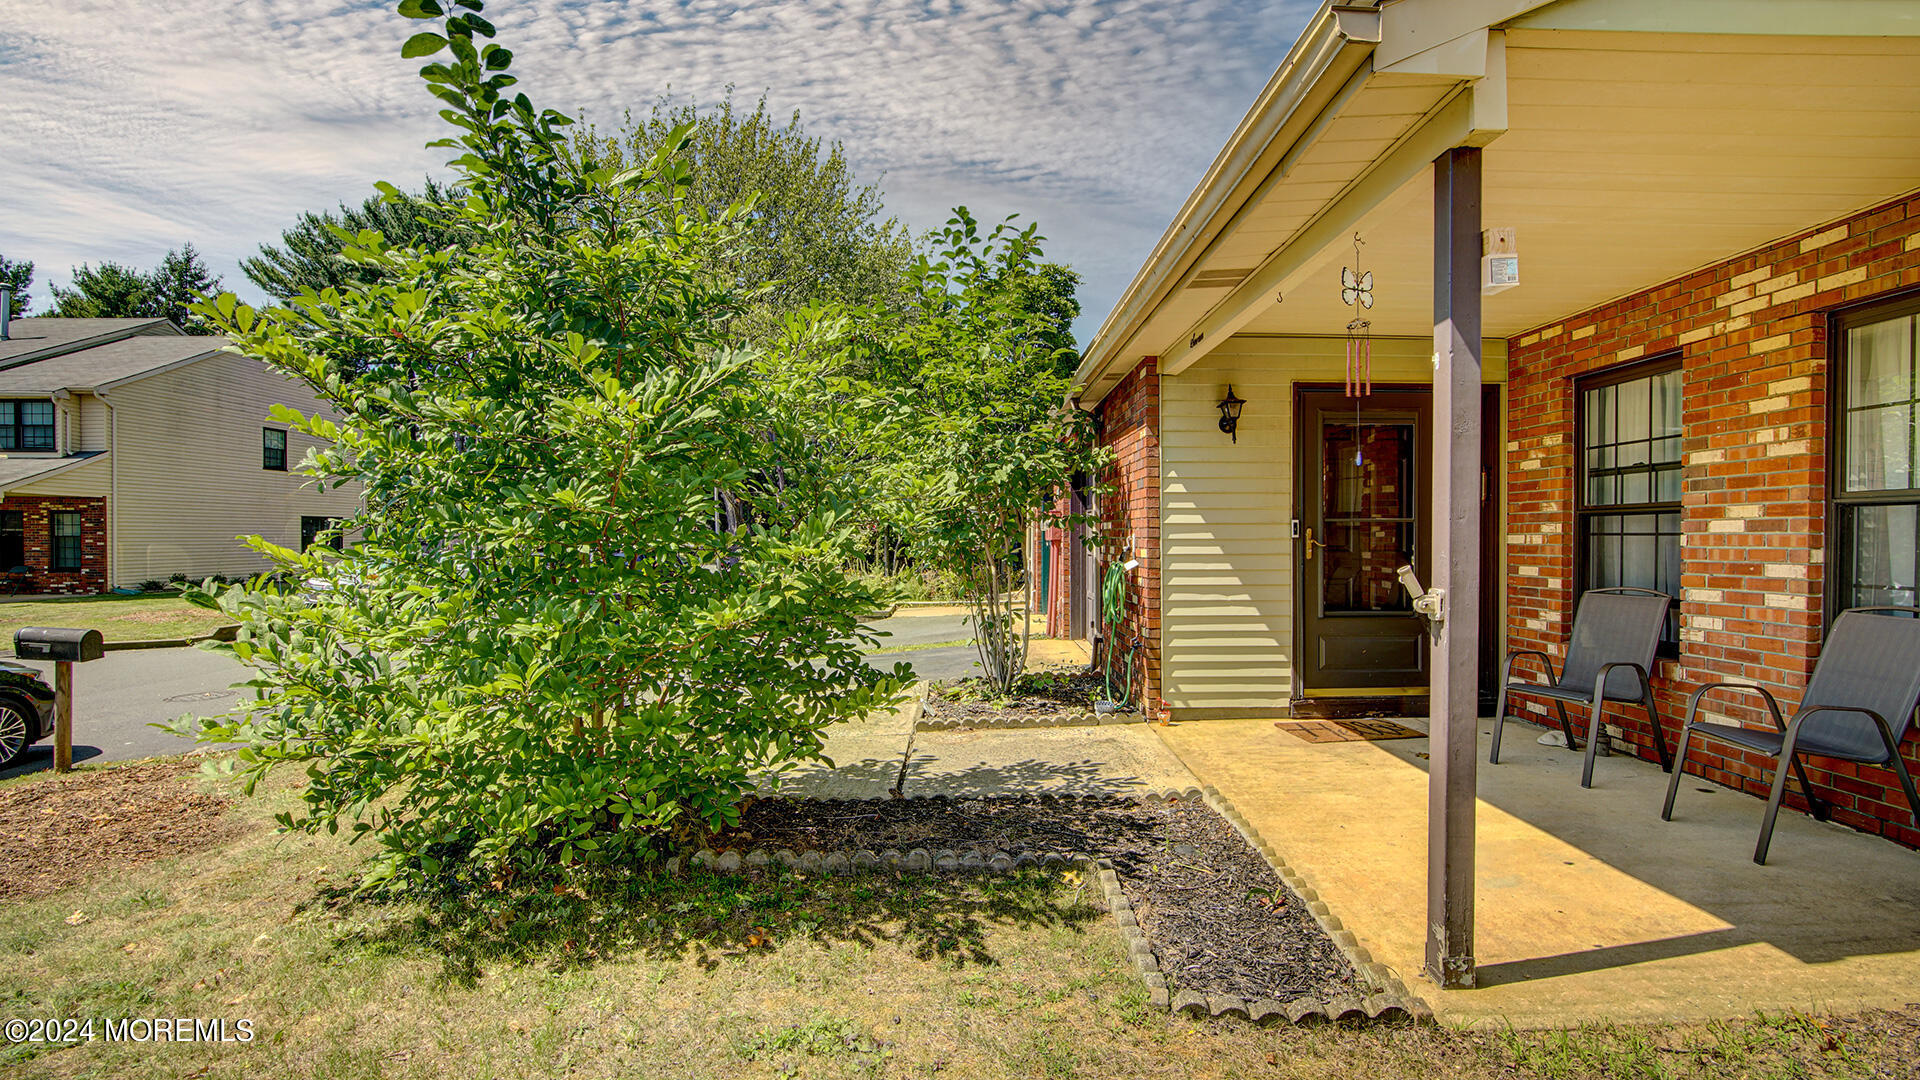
column 65, row 646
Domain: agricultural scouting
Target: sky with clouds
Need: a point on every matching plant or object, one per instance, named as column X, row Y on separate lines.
column 134, row 126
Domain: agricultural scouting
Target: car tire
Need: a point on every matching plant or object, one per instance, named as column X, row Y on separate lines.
column 16, row 732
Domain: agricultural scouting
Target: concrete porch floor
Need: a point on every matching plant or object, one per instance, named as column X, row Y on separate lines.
column 1589, row 908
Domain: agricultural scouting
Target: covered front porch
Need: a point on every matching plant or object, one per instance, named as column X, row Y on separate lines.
column 1589, row 908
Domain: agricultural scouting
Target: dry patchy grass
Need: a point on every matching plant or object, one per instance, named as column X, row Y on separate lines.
column 773, row 976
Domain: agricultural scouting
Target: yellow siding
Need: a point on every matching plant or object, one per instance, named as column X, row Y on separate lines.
column 88, row 480
column 1226, row 508
column 187, row 475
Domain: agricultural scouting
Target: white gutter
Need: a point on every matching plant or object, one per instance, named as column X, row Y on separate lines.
column 113, row 482
column 1333, row 48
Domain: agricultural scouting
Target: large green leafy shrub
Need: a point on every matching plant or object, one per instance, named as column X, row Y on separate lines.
column 537, row 646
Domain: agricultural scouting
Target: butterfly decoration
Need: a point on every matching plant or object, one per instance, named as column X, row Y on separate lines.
column 1356, row 288
column 1356, row 291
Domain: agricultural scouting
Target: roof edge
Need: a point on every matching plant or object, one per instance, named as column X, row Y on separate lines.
column 80, row 344
column 1311, row 74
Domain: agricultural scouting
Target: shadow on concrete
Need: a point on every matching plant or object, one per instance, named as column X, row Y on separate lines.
column 1614, row 956
column 1027, row 776
column 1827, row 892
column 40, row 759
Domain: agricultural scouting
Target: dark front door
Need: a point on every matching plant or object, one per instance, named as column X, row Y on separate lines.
column 1363, row 495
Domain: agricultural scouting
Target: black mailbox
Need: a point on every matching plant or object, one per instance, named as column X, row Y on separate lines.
column 56, row 643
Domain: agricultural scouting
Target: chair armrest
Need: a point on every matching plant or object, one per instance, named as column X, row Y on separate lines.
column 1606, row 670
column 1506, row 669
column 1878, row 720
column 1693, row 703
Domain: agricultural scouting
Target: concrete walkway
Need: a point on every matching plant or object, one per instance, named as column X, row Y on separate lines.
column 872, row 757
column 1590, row 908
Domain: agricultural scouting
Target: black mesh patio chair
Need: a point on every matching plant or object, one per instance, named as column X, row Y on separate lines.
column 1615, row 634
column 1858, row 706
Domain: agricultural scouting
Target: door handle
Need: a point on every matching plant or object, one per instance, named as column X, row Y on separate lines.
column 1312, row 543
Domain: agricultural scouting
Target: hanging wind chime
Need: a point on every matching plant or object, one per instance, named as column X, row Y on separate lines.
column 1356, row 291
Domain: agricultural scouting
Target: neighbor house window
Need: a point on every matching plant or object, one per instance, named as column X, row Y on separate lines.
column 273, row 449
column 1628, row 494
column 1876, row 487
column 65, row 526
column 13, row 540
column 26, row 425
column 312, row 527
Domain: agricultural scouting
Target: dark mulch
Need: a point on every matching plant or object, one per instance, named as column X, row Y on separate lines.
column 61, row 831
column 1042, row 696
column 1219, row 919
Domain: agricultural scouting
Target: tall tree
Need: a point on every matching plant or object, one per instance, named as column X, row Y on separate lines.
column 107, row 291
column 309, row 253
column 814, row 235
column 538, row 650
column 974, row 439
column 178, row 283
column 18, row 276
column 114, row 291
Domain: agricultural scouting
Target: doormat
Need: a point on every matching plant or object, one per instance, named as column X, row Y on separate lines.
column 1370, row 730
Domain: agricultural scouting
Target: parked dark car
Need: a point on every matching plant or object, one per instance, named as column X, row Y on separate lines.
column 26, row 710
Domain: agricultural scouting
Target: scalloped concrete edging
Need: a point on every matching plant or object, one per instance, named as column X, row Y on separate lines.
column 1393, row 1003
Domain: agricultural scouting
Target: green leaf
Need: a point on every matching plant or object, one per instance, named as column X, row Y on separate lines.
column 421, row 9
column 425, row 43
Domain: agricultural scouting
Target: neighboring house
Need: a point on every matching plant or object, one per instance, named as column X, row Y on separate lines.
column 1707, row 380
column 131, row 452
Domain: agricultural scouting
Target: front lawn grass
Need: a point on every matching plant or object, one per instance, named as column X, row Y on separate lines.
column 783, row 975
column 118, row 618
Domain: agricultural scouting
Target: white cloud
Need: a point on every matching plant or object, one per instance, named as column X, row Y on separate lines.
column 132, row 127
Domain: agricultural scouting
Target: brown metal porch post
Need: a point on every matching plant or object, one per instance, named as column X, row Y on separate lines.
column 1454, row 693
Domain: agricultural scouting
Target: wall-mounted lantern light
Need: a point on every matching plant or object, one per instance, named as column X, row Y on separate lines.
column 1230, row 407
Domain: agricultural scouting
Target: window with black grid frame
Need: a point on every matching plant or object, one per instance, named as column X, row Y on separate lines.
column 1876, row 487
column 1628, row 491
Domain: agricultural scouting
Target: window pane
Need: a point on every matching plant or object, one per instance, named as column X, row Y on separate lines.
column 1880, row 363
column 36, row 412
column 1666, row 486
column 1666, row 406
column 1880, row 564
column 1635, row 403
column 1878, row 441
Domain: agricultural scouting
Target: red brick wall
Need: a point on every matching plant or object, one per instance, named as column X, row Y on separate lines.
column 1752, row 336
column 1130, row 510
column 92, row 575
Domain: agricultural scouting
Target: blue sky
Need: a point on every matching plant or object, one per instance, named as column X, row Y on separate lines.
column 138, row 125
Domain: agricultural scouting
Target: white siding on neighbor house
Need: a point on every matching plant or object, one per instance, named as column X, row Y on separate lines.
column 185, row 470
column 1227, row 556
column 89, row 431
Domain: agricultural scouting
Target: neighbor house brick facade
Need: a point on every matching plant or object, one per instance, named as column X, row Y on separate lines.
column 1752, row 338
column 1129, row 511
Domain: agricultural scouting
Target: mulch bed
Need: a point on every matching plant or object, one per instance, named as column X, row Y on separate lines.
column 58, row 832
column 1219, row 920
column 1046, row 697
